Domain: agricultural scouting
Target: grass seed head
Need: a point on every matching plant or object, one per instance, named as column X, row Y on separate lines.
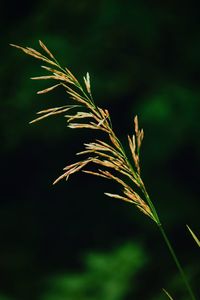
column 109, row 155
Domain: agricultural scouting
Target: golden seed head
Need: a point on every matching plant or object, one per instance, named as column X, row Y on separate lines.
column 110, row 154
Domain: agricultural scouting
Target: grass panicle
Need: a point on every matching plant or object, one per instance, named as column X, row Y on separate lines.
column 108, row 154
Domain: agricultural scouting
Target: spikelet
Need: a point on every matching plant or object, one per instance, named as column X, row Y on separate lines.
column 46, row 49
column 48, row 89
column 87, row 82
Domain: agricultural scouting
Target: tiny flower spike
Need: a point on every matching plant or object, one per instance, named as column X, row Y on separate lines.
column 108, row 155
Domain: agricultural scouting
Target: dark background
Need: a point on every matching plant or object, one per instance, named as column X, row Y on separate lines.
column 70, row 241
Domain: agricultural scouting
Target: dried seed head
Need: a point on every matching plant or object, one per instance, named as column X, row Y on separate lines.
column 110, row 155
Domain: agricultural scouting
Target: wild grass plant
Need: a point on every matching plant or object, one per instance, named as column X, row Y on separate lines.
column 108, row 154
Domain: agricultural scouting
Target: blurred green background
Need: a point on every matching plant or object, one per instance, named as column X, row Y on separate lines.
column 70, row 241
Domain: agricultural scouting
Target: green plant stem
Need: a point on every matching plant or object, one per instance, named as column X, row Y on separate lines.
column 176, row 262
column 168, row 243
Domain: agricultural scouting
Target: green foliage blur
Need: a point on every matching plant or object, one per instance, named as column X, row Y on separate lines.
column 70, row 241
column 107, row 276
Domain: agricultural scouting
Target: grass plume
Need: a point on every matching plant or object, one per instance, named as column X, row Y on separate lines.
column 108, row 154
column 84, row 113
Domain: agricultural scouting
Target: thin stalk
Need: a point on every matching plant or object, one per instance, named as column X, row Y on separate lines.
column 168, row 243
column 150, row 203
column 182, row 273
